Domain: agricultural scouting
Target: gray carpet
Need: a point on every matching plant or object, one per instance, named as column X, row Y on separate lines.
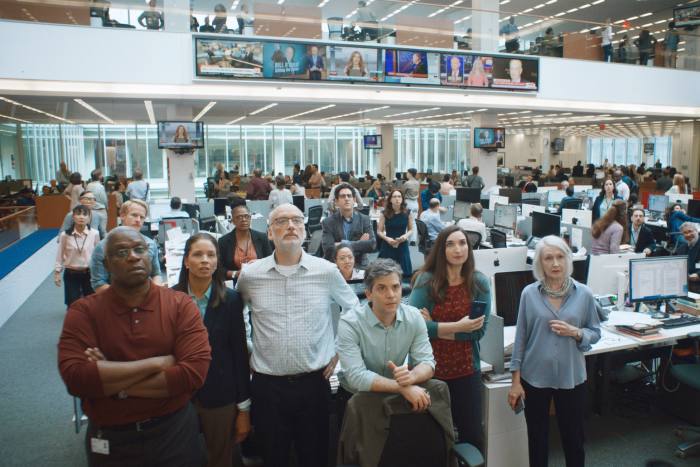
column 36, row 427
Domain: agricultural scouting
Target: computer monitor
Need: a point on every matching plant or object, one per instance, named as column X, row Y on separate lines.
column 298, row 201
column 514, row 195
column 582, row 217
column 545, row 189
column 206, row 208
column 660, row 278
column 658, row 203
column 220, row 206
column 603, row 269
column 493, row 260
column 694, row 208
column 527, row 209
column 505, row 216
column 679, row 198
column 555, row 197
column 544, row 224
column 468, row 195
column 191, row 209
column 593, row 193
column 461, row 210
column 531, row 202
column 487, row 217
column 509, row 286
column 496, row 199
column 578, row 188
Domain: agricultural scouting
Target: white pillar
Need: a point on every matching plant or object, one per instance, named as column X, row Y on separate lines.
column 485, row 25
column 387, row 155
column 181, row 171
column 176, row 15
column 545, row 149
column 486, row 161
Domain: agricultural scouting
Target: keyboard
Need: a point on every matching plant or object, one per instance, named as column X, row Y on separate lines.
column 679, row 322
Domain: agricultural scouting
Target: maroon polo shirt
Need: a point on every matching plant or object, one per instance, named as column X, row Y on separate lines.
column 166, row 323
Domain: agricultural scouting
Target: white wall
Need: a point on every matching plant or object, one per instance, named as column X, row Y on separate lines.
column 522, row 149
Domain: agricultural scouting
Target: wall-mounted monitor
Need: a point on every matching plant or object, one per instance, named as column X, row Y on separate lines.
column 373, row 141
column 558, row 144
column 411, row 67
column 489, row 138
column 229, row 58
column 180, row 135
column 686, row 16
column 648, row 148
column 346, row 63
column 291, row 60
column 515, row 73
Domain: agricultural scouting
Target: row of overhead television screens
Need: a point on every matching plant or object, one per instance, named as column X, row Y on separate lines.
column 237, row 58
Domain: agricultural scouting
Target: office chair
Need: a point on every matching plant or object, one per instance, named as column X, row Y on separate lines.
column 571, row 204
column 498, row 239
column 313, row 246
column 187, row 225
column 314, row 223
column 687, row 398
column 474, row 239
column 423, row 239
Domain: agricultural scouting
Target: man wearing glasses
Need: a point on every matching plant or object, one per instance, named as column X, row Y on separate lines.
column 289, row 295
column 348, row 227
column 135, row 355
column 132, row 214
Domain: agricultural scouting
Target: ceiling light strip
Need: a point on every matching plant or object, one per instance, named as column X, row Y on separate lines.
column 94, row 110
column 204, row 110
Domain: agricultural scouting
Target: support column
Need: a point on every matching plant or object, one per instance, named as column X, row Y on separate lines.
column 181, row 171
column 686, row 151
column 545, row 149
column 387, row 155
column 486, row 161
column 485, row 25
column 176, row 15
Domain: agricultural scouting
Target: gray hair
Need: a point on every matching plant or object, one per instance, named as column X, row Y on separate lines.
column 555, row 242
column 686, row 225
column 380, row 268
column 273, row 213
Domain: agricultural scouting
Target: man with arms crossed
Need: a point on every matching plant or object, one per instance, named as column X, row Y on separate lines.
column 289, row 295
column 135, row 355
column 374, row 340
column 132, row 215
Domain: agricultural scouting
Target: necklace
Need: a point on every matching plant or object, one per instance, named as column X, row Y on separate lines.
column 78, row 246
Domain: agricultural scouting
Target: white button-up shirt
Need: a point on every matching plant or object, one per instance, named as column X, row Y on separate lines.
column 292, row 326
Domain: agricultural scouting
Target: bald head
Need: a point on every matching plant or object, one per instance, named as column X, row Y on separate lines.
column 127, row 258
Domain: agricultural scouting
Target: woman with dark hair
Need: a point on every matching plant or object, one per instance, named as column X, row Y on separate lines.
column 223, row 403
column 242, row 245
column 345, row 260
column 444, row 290
column 75, row 247
column 395, row 228
column 74, row 189
column 605, row 199
column 610, row 230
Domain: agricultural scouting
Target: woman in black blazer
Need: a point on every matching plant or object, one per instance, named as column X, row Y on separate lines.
column 223, row 403
column 242, row 245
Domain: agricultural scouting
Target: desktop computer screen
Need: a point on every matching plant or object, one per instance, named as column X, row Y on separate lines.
column 694, row 207
column 555, row 197
column 509, row 287
column 658, row 278
column 580, row 217
column 505, row 216
column 220, row 206
column 544, row 224
column 469, row 195
column 461, row 210
column 658, row 203
column 515, row 196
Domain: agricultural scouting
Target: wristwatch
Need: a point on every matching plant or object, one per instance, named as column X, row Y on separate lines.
column 579, row 335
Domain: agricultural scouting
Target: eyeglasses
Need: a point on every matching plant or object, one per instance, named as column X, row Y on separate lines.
column 298, row 221
column 88, row 198
column 346, row 195
column 124, row 253
column 241, row 217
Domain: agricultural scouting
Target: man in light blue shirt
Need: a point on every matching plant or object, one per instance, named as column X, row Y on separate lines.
column 138, row 188
column 431, row 218
column 375, row 340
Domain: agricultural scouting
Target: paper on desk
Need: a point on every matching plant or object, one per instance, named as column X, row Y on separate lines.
column 177, row 235
column 629, row 318
column 577, row 237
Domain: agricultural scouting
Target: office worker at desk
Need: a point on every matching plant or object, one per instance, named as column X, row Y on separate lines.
column 347, row 227
column 691, row 247
column 675, row 217
column 611, row 230
column 289, row 294
column 444, row 290
column 242, row 245
column 605, row 199
column 641, row 236
column 474, row 223
column 557, row 323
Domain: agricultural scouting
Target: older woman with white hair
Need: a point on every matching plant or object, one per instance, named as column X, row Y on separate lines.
column 557, row 323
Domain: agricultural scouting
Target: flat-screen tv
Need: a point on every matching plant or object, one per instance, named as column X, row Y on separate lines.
column 648, row 148
column 373, row 141
column 489, row 138
column 558, row 144
column 180, row 135
column 686, row 16
column 345, row 63
column 514, row 73
column 411, row 67
column 466, row 70
column 229, row 58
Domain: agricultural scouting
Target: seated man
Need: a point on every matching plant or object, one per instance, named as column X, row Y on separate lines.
column 474, row 223
column 566, row 200
column 431, row 218
column 641, row 236
column 176, row 209
column 692, row 249
column 375, row 339
column 347, row 227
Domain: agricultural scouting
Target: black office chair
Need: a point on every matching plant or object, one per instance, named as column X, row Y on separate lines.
column 315, row 214
column 686, row 399
column 571, row 204
column 423, row 239
column 313, row 246
column 474, row 239
column 498, row 239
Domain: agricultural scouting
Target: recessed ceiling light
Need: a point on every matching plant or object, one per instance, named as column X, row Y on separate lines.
column 94, row 110
column 206, row 109
column 262, row 109
column 149, row 111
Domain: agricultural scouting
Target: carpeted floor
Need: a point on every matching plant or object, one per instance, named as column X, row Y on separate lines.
column 36, row 411
column 17, row 253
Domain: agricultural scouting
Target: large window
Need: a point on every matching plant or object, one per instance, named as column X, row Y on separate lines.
column 436, row 149
column 626, row 151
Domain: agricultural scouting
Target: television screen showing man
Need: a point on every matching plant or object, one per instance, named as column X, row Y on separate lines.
column 314, row 65
column 352, row 64
column 499, row 138
column 285, row 60
column 227, row 58
column 486, row 137
column 411, row 67
column 452, row 70
column 514, row 73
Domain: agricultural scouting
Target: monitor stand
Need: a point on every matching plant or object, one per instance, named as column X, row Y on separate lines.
column 659, row 313
column 532, row 242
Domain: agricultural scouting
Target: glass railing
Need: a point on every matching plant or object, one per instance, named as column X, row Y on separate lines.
column 544, row 27
column 16, row 222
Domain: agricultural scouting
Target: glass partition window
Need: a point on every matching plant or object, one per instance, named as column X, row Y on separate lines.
column 438, row 149
column 257, row 147
column 288, row 148
column 9, row 155
column 627, row 151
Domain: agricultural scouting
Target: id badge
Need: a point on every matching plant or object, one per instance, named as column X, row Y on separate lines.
column 99, row 446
